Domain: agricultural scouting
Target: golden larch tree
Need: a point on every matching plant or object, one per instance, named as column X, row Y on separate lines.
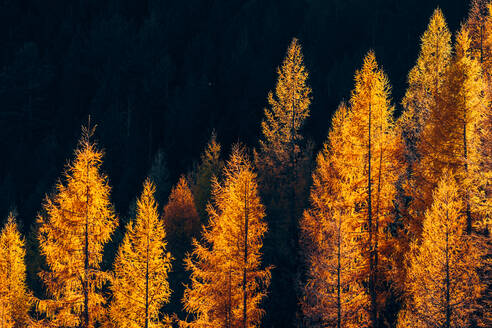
column 182, row 224
column 76, row 223
column 423, row 102
column 15, row 299
column 477, row 25
column 210, row 166
column 140, row 286
column 443, row 282
column 283, row 162
column 228, row 282
column 461, row 128
column 372, row 167
column 333, row 295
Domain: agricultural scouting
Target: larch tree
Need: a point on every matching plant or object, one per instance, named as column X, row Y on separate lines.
column 76, row 223
column 140, row 286
column 182, row 224
column 443, row 281
column 477, row 25
column 283, row 163
column 228, row 282
column 210, row 166
column 333, row 295
column 15, row 299
column 461, row 127
column 372, row 168
column 423, row 102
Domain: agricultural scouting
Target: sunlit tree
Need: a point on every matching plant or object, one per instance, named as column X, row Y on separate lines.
column 76, row 223
column 228, row 281
column 372, row 167
column 283, row 162
column 443, row 282
column 15, row 299
column 140, row 286
column 459, row 126
column 333, row 294
column 423, row 101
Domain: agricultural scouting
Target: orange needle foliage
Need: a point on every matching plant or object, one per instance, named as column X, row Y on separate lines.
column 15, row 300
column 227, row 281
column 140, row 287
column 77, row 222
column 333, row 296
column 443, row 281
column 423, row 103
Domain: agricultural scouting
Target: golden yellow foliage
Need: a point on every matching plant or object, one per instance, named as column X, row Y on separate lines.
column 333, row 296
column 424, row 106
column 15, row 300
column 443, row 282
column 77, row 222
column 227, row 281
column 140, row 287
column 371, row 155
column 284, row 168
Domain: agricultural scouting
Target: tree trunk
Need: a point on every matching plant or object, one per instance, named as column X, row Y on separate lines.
column 147, row 282
column 448, row 305
column 245, row 296
column 339, row 301
column 372, row 289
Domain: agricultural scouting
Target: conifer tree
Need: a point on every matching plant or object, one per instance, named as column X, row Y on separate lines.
column 210, row 166
column 283, row 163
column 460, row 128
column 424, row 97
column 140, row 286
column 333, row 295
column 477, row 25
column 372, row 167
column 443, row 281
column 77, row 222
column 15, row 300
column 182, row 224
column 228, row 282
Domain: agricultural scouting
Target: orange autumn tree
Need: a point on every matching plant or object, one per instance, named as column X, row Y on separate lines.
column 140, row 286
column 460, row 125
column 15, row 300
column 283, row 163
column 77, row 222
column 182, row 224
column 443, row 282
column 372, row 166
column 228, row 282
column 333, row 295
column 423, row 103
column 210, row 166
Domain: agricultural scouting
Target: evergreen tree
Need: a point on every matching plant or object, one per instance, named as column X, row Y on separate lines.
column 15, row 299
column 443, row 280
column 228, row 282
column 77, row 222
column 140, row 286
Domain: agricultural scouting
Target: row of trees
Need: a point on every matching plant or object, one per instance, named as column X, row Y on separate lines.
column 398, row 214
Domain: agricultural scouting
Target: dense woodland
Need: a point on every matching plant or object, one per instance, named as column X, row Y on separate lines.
column 385, row 223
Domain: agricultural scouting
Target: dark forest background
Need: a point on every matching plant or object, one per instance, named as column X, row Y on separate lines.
column 158, row 76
